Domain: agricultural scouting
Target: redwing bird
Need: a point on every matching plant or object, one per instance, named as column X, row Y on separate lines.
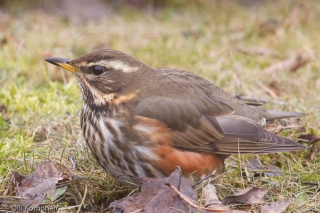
column 142, row 121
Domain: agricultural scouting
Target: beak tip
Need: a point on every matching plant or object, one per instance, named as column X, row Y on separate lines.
column 55, row 60
column 48, row 60
column 62, row 62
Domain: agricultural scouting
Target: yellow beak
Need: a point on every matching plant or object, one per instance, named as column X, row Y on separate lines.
column 63, row 63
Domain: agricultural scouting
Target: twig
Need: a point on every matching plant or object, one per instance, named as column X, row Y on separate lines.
column 84, row 197
column 240, row 168
column 194, row 205
column 138, row 210
column 183, row 197
column 66, row 183
column 268, row 90
column 258, row 51
column 205, row 178
column 73, row 162
column 311, row 183
column 291, row 64
column 316, row 195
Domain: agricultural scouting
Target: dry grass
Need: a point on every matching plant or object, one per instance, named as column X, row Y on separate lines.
column 39, row 104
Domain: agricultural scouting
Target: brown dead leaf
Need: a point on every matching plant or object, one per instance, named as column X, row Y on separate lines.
column 211, row 199
column 163, row 195
column 247, row 196
column 156, row 196
column 3, row 109
column 260, row 169
column 276, row 207
column 310, row 137
column 212, row 208
column 39, row 184
column 291, row 64
column 313, row 138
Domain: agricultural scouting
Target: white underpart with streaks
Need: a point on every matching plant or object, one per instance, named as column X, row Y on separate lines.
column 117, row 65
column 106, row 134
column 105, row 145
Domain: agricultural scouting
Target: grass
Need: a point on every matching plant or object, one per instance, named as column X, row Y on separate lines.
column 40, row 104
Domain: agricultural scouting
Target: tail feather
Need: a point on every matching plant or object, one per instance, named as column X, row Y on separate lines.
column 288, row 145
column 243, row 135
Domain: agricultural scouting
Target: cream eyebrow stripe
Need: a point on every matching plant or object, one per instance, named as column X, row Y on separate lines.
column 118, row 65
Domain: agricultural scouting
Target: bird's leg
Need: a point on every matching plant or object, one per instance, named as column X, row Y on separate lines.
column 180, row 176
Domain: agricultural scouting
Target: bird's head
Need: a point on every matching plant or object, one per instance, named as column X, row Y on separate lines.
column 104, row 75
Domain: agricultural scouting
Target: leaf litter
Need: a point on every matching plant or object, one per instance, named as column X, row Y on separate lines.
column 34, row 189
column 171, row 194
column 276, row 207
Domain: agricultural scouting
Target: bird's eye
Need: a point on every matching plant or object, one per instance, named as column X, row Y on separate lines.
column 97, row 70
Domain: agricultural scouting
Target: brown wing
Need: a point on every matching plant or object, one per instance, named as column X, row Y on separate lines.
column 180, row 112
column 204, row 126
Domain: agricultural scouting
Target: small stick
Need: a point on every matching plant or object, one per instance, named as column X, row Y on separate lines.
column 84, row 197
column 316, row 195
column 183, row 197
column 205, row 178
column 194, row 205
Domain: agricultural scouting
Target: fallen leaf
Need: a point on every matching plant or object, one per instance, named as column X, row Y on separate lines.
column 156, row 196
column 171, row 194
column 40, row 184
column 247, row 196
column 313, row 138
column 310, row 137
column 211, row 199
column 276, row 207
column 261, row 169
column 257, row 167
column 55, row 195
column 3, row 109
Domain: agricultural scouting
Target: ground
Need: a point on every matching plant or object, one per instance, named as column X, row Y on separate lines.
column 265, row 51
